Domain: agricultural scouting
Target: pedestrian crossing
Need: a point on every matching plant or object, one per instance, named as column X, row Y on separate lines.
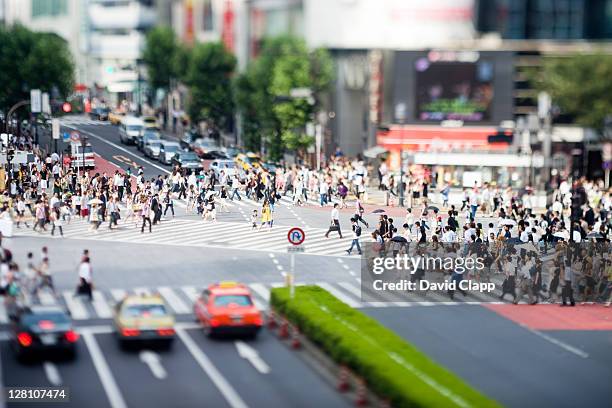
column 180, row 299
column 198, row 233
column 81, row 120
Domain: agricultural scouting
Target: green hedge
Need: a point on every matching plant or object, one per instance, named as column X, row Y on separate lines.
column 392, row 367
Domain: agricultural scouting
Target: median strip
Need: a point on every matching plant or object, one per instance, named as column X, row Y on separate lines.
column 392, row 368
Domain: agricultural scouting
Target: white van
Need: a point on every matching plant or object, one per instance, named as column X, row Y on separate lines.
column 130, row 130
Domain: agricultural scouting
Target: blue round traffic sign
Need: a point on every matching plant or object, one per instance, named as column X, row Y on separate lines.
column 296, row 236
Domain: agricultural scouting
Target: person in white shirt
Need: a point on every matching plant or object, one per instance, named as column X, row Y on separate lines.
column 526, row 281
column 85, row 278
column 335, row 222
column 323, row 188
column 449, row 235
column 409, row 218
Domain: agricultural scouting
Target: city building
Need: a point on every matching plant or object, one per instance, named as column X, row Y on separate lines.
column 442, row 76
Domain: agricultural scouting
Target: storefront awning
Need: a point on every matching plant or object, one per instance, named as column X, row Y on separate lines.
column 478, row 159
column 427, row 138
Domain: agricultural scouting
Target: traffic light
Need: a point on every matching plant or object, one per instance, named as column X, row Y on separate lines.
column 66, row 107
column 502, row 136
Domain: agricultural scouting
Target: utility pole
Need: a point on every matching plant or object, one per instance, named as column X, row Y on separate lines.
column 544, row 111
column 401, row 179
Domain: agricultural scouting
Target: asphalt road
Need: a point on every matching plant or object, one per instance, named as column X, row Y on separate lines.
column 514, row 365
column 197, row 371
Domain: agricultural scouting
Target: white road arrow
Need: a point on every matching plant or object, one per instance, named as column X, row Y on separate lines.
column 52, row 373
column 250, row 354
column 153, row 361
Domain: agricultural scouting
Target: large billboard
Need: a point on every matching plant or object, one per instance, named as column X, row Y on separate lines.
column 453, row 90
column 433, row 86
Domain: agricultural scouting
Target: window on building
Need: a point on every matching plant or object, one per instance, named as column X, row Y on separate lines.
column 49, row 8
column 207, row 16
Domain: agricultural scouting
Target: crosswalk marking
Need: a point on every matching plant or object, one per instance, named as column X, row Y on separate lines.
column 173, row 300
column 181, row 299
column 118, row 294
column 340, row 295
column 261, row 291
column 191, row 292
column 100, row 305
column 46, row 298
column 75, row 306
column 3, row 314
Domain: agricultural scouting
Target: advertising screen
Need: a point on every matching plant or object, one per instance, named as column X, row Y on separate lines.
column 453, row 90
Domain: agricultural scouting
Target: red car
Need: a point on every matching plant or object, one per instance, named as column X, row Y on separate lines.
column 228, row 308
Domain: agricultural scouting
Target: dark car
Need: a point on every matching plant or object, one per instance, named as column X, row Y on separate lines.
column 99, row 114
column 43, row 331
column 147, row 135
column 187, row 160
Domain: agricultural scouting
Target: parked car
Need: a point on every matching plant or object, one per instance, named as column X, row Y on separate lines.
column 99, row 113
column 147, row 134
column 130, row 130
column 187, row 160
column 152, row 148
column 167, row 150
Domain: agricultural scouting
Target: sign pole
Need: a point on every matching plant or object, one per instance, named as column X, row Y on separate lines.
column 292, row 278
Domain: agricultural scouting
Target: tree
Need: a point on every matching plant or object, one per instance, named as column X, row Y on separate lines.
column 208, row 77
column 270, row 114
column 580, row 85
column 32, row 60
column 159, row 55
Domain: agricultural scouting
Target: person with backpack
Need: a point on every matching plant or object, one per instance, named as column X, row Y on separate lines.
column 356, row 234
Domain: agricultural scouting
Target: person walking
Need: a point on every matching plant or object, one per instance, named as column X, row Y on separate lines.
column 356, row 234
column 567, row 292
column 85, row 279
column 156, row 208
column 146, row 215
column 168, row 204
column 266, row 216
column 526, row 280
column 359, row 210
column 56, row 221
column 113, row 212
column 335, row 222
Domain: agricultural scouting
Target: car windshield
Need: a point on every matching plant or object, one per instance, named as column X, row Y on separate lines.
column 154, row 143
column 87, row 149
column 152, row 310
column 171, row 148
column 206, row 143
column 151, row 135
column 55, row 317
column 189, row 156
column 240, row 300
column 134, row 128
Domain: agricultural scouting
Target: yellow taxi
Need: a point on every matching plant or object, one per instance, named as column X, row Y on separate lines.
column 115, row 117
column 248, row 161
column 150, row 122
column 142, row 319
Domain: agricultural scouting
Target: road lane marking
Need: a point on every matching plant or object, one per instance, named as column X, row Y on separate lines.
column 340, row 295
column 99, row 303
column 52, row 374
column 119, row 147
column 228, row 392
column 252, row 356
column 563, row 345
column 173, row 300
column 126, row 160
column 261, row 291
column 106, row 377
column 75, row 306
column 153, row 361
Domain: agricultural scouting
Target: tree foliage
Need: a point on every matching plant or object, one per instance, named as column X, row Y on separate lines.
column 159, row 55
column 208, row 77
column 580, row 85
column 270, row 115
column 31, row 60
